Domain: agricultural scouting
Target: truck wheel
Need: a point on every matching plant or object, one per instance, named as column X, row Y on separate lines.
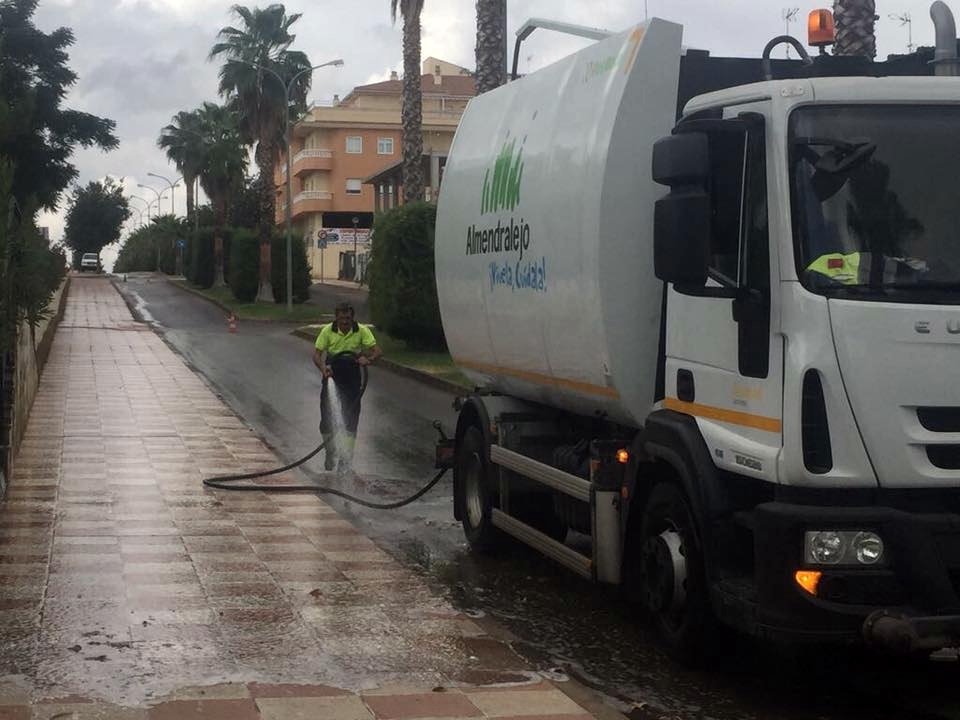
column 473, row 472
column 673, row 580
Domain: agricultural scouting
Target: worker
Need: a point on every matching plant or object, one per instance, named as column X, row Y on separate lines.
column 342, row 348
column 840, row 268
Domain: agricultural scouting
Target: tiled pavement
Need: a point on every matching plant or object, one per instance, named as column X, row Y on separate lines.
column 129, row 591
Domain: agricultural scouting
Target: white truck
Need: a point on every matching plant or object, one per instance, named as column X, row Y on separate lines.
column 714, row 325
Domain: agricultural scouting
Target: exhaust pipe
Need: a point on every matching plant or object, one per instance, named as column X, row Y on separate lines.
column 945, row 56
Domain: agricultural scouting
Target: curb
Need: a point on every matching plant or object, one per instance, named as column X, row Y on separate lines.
column 403, row 370
column 199, row 294
column 226, row 308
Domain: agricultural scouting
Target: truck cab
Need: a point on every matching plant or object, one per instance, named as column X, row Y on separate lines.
column 820, row 264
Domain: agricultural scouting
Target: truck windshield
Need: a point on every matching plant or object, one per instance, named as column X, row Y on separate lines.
column 874, row 195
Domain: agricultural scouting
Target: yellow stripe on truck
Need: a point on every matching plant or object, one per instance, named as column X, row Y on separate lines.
column 539, row 379
column 734, row 417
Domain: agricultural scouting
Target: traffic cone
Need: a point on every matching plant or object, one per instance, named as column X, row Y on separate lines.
column 232, row 323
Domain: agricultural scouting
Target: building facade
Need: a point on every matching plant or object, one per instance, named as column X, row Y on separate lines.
column 338, row 150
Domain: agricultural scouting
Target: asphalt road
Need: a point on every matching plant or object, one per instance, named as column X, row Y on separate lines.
column 560, row 622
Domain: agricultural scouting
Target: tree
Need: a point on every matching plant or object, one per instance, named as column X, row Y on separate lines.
column 95, row 217
column 245, row 206
column 183, row 144
column 411, row 113
column 222, row 172
column 38, row 135
column 251, row 52
column 491, row 51
column 152, row 247
column 855, row 27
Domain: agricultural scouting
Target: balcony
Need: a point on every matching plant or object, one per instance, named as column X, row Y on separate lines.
column 308, row 201
column 308, row 160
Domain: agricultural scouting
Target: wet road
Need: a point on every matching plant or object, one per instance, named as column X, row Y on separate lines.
column 266, row 376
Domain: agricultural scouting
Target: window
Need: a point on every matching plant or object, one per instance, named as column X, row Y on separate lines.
column 354, row 144
column 385, row 146
column 727, row 184
column 354, row 186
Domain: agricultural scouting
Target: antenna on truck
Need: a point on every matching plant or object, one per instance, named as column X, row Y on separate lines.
column 567, row 28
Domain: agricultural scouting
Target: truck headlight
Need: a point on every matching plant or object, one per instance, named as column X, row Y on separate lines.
column 868, row 548
column 843, row 547
column 825, row 547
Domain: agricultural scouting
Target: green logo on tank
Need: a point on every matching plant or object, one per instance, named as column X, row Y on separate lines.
column 502, row 191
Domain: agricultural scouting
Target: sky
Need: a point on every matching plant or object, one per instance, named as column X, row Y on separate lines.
column 141, row 61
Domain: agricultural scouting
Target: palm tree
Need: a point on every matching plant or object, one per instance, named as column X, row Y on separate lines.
column 223, row 169
column 251, row 52
column 491, row 44
column 183, row 144
column 855, row 27
column 412, row 107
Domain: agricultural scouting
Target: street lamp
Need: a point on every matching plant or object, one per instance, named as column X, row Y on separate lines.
column 140, row 213
column 145, row 202
column 287, row 87
column 154, row 190
column 356, row 264
column 172, row 186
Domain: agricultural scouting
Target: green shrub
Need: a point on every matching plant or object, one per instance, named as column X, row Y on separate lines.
column 138, row 253
column 278, row 269
column 200, row 267
column 244, row 277
column 403, row 288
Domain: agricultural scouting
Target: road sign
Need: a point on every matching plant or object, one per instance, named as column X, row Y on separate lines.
column 322, row 239
column 181, row 243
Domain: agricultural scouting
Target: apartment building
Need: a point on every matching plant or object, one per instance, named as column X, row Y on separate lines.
column 345, row 158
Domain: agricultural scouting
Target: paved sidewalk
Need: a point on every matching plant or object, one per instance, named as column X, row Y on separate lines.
column 129, row 591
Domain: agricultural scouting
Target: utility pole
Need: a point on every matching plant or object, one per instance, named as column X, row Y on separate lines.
column 789, row 15
column 905, row 19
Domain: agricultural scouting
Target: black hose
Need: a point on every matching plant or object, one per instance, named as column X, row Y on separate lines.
column 226, row 482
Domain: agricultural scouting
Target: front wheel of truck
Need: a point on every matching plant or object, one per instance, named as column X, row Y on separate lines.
column 474, row 479
column 673, row 579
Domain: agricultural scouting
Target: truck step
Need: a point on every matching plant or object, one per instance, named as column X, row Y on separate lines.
column 550, row 476
column 554, row 550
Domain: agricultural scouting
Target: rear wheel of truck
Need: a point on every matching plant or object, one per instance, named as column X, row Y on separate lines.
column 473, row 474
column 673, row 580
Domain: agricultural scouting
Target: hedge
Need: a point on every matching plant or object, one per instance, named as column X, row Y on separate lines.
column 278, row 269
column 403, row 287
column 200, row 267
column 244, row 274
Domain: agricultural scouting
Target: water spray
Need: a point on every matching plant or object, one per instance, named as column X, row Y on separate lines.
column 230, row 482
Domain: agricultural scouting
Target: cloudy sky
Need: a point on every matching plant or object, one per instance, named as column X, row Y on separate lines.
column 141, row 61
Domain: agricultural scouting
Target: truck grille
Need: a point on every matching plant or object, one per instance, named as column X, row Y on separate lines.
column 945, row 457
column 939, row 419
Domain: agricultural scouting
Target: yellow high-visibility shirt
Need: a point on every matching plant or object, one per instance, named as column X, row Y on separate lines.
column 331, row 340
column 844, row 269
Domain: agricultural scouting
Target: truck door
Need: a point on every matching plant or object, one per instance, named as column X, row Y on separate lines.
column 723, row 363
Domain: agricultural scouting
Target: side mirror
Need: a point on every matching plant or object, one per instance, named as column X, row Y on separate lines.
column 681, row 238
column 682, row 159
column 682, row 219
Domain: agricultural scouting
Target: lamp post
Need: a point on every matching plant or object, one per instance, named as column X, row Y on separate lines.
column 356, row 264
column 287, row 87
column 155, row 191
column 140, row 213
column 172, row 186
column 146, row 204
